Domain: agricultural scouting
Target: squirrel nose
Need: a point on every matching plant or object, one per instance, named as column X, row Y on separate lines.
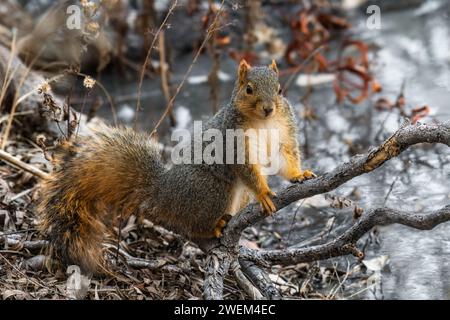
column 268, row 111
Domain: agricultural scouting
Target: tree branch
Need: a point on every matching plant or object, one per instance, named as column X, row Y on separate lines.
column 260, row 279
column 245, row 283
column 216, row 268
column 405, row 137
column 346, row 243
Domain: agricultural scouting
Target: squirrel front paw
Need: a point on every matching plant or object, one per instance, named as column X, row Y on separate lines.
column 266, row 201
column 305, row 175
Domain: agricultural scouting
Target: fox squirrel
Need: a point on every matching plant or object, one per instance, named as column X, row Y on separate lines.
column 118, row 172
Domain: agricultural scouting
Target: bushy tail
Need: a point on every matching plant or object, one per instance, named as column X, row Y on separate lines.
column 95, row 178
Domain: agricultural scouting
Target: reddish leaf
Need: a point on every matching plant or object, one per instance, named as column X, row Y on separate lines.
column 419, row 113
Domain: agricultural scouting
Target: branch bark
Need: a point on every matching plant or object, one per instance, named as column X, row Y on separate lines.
column 260, row 279
column 216, row 268
column 244, row 282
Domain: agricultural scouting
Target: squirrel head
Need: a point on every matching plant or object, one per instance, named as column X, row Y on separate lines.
column 257, row 93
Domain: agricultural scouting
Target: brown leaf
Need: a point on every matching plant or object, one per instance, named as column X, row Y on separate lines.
column 419, row 113
column 376, row 86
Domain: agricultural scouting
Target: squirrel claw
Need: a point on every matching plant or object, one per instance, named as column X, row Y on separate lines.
column 305, row 175
column 309, row 174
column 267, row 203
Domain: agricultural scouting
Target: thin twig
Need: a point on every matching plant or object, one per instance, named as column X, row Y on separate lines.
column 287, row 84
column 22, row 165
column 164, row 70
column 107, row 95
column 21, row 194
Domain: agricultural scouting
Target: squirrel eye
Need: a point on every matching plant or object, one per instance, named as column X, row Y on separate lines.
column 249, row 90
column 279, row 90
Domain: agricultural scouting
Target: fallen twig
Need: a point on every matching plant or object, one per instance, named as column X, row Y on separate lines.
column 22, row 165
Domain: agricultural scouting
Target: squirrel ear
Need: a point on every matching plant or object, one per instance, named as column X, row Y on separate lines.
column 273, row 66
column 243, row 69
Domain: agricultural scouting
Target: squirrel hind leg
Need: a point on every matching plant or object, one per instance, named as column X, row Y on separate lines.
column 219, row 227
column 215, row 231
column 221, row 224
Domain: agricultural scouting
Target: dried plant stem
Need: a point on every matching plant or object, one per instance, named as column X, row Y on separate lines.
column 213, row 77
column 107, row 95
column 164, row 69
column 149, row 20
column 22, row 165
column 6, row 82
column 147, row 58
column 209, row 32
column 135, row 67
column 29, row 93
column 18, row 100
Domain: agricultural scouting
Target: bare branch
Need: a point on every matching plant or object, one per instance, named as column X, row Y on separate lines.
column 346, row 243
